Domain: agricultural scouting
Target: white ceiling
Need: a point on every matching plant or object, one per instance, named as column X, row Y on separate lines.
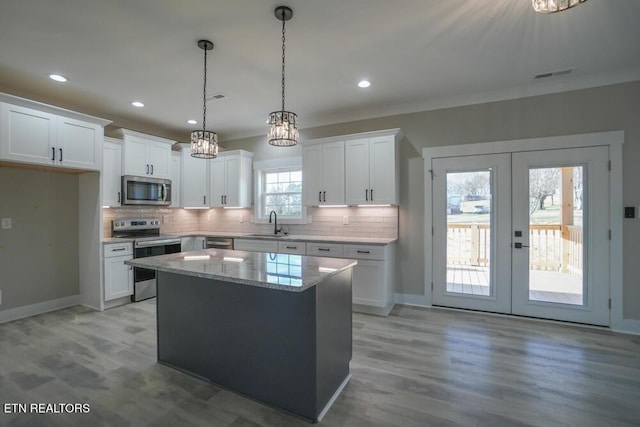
column 418, row 54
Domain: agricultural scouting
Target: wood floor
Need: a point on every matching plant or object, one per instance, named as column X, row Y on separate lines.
column 417, row 367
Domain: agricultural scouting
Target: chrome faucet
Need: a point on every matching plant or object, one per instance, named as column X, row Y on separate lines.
column 276, row 230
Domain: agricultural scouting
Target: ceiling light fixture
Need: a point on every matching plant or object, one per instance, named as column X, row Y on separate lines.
column 551, row 6
column 192, row 122
column 58, row 77
column 204, row 143
column 137, row 104
column 364, row 83
column 283, row 125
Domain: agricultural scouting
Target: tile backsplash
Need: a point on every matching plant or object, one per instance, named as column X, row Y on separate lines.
column 361, row 222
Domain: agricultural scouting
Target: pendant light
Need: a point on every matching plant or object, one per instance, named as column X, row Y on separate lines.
column 283, row 125
column 204, row 143
column 551, row 6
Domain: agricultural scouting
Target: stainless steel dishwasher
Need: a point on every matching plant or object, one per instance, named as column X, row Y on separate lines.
column 219, row 243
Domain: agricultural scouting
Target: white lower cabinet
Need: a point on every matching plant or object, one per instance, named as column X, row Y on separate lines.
column 374, row 276
column 118, row 277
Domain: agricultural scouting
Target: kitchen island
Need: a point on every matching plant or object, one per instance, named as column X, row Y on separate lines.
column 273, row 327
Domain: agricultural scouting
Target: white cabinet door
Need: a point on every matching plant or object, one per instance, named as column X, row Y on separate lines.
column 357, row 172
column 111, row 174
column 27, row 135
column 159, row 159
column 79, row 144
column 333, row 179
column 382, row 171
column 312, row 175
column 323, row 174
column 368, row 283
column 118, row 277
column 135, row 157
column 370, row 166
column 200, row 243
column 195, row 181
column 233, row 181
column 218, row 184
column 176, row 180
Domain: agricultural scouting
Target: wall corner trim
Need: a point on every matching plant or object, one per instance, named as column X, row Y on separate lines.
column 410, row 299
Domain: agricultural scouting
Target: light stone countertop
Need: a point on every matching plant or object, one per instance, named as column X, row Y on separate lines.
column 376, row 241
column 267, row 270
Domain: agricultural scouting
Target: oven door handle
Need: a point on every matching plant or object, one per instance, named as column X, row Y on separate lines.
column 158, row 243
column 164, row 192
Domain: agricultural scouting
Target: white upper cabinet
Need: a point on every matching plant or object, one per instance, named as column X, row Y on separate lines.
column 111, row 172
column 30, row 135
column 231, row 179
column 195, row 180
column 371, row 165
column 146, row 155
column 176, row 179
column 323, row 173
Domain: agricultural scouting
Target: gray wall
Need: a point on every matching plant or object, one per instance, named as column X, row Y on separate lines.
column 39, row 255
column 606, row 108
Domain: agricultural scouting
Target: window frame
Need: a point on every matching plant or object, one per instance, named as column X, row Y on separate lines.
column 260, row 169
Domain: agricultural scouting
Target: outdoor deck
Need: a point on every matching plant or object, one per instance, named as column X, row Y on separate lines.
column 548, row 286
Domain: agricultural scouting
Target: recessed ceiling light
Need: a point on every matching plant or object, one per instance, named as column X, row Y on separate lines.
column 364, row 83
column 192, row 122
column 58, row 77
column 137, row 104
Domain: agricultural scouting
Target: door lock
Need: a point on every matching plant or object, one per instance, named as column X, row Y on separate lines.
column 519, row 245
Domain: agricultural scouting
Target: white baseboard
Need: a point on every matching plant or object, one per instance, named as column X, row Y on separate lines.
column 626, row 326
column 411, row 299
column 39, row 308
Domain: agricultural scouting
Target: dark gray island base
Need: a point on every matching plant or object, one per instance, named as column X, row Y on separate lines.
column 287, row 349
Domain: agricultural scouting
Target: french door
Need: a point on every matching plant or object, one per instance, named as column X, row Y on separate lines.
column 523, row 233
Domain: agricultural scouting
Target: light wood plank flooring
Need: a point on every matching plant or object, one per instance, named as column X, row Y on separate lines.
column 417, row 367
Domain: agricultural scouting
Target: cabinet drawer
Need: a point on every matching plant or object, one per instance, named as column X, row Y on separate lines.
column 255, row 245
column 298, row 248
column 332, row 250
column 118, row 249
column 364, row 252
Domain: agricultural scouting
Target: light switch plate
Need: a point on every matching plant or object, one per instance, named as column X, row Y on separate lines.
column 345, row 219
column 6, row 224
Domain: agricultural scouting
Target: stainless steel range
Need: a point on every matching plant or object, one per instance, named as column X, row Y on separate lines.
column 147, row 242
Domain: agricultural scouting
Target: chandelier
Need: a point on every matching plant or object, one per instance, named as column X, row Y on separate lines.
column 551, row 6
column 204, row 143
column 283, row 125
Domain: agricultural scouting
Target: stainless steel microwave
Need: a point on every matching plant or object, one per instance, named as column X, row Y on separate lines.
column 140, row 190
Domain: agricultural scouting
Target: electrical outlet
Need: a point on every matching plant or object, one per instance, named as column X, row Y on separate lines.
column 6, row 224
column 345, row 219
column 241, row 219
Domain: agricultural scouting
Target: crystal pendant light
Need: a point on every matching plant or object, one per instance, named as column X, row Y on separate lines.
column 204, row 143
column 283, row 125
column 551, row 6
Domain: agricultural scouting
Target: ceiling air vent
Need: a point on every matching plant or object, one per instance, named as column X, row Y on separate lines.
column 215, row 97
column 553, row 74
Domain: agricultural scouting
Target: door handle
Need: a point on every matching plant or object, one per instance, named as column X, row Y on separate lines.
column 366, row 195
column 60, row 154
column 53, row 153
column 222, row 200
column 118, row 197
column 519, row 245
column 225, row 199
column 324, row 196
column 320, row 196
column 372, row 194
column 151, row 169
column 147, row 169
column 204, row 200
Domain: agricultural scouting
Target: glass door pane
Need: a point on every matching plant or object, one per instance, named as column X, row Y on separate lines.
column 556, row 235
column 469, row 232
